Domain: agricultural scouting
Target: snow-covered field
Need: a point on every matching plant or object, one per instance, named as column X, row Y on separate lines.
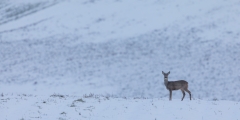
column 94, row 107
column 119, row 48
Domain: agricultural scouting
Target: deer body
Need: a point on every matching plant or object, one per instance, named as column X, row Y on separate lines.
column 176, row 85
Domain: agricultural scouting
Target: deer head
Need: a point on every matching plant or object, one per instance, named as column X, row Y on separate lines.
column 165, row 75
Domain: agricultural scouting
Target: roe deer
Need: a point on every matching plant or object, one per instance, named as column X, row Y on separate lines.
column 176, row 85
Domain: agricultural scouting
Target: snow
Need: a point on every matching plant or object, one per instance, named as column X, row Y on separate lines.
column 119, row 48
column 95, row 107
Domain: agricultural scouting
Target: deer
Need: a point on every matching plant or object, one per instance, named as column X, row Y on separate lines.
column 176, row 85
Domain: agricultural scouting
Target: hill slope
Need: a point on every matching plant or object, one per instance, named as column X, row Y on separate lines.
column 119, row 47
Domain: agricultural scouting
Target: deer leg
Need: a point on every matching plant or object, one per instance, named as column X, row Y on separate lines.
column 188, row 93
column 170, row 95
column 183, row 94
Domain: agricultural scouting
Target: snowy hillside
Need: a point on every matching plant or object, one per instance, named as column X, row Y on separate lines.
column 119, row 48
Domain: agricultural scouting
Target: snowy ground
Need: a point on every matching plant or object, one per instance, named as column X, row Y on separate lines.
column 92, row 107
column 119, row 48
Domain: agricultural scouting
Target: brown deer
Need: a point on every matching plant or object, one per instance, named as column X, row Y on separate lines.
column 176, row 85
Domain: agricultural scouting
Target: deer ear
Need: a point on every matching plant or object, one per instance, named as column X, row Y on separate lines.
column 162, row 72
column 168, row 72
